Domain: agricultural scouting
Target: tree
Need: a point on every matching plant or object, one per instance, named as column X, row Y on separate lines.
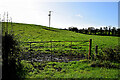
column 83, row 30
column 70, row 28
column 118, row 32
column 106, row 30
column 109, row 30
column 91, row 29
column 73, row 29
column 96, row 30
column 86, row 31
column 113, row 31
column 80, row 30
column 101, row 31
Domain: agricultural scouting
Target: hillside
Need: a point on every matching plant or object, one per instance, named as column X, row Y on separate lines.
column 31, row 32
column 32, row 67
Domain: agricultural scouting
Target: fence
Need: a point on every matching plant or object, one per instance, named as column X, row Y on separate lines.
column 66, row 48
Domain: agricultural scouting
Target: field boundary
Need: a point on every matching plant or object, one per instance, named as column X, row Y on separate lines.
column 71, row 45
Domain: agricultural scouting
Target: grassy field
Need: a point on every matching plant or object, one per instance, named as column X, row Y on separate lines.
column 74, row 69
column 30, row 32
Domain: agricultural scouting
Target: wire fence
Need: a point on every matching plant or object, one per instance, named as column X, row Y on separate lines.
column 56, row 49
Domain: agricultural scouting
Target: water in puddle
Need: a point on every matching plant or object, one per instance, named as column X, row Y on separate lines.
column 48, row 57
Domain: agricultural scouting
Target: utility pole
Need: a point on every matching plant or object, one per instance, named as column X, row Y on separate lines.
column 3, row 23
column 49, row 17
column 7, row 23
column 11, row 25
column 0, row 27
column 0, row 18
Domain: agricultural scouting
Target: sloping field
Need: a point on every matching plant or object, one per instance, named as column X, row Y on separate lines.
column 73, row 69
column 31, row 32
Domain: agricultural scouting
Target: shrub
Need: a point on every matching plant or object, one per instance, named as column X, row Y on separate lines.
column 10, row 54
column 110, row 54
column 106, row 64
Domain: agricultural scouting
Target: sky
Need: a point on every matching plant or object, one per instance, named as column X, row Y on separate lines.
column 76, row 13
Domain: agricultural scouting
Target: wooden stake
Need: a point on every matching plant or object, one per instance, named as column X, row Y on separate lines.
column 96, row 49
column 51, row 50
column 90, row 46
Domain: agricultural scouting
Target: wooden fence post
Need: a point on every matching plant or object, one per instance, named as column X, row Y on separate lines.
column 51, row 50
column 30, row 52
column 90, row 46
column 30, row 45
column 71, row 51
column 96, row 49
column 71, row 46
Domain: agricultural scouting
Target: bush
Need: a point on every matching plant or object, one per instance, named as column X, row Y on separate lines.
column 106, row 64
column 109, row 54
column 10, row 55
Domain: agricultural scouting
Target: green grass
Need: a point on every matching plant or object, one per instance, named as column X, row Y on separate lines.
column 31, row 32
column 73, row 69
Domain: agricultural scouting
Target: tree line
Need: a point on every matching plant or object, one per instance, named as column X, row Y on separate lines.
column 106, row 31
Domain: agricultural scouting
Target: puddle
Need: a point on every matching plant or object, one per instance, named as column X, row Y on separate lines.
column 39, row 57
